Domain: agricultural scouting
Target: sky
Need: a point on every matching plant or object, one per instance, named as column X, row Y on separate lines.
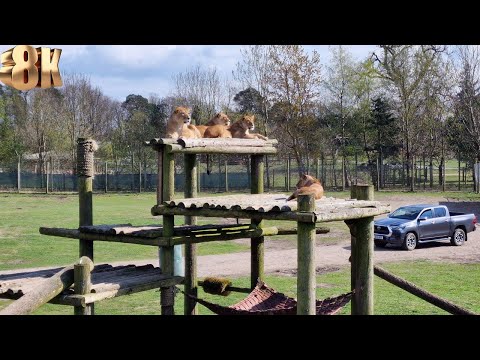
column 120, row 70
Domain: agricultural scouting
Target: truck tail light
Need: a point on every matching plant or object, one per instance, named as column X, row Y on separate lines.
column 474, row 219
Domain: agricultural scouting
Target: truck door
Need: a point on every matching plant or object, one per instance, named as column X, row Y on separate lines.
column 426, row 228
column 442, row 222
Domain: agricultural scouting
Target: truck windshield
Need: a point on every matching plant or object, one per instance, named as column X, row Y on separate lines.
column 407, row 213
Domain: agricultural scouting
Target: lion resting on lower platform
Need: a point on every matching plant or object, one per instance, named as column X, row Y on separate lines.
column 308, row 185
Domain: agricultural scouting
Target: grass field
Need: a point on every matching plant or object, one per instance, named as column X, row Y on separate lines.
column 22, row 214
column 456, row 282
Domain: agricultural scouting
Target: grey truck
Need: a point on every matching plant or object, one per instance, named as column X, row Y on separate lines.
column 416, row 224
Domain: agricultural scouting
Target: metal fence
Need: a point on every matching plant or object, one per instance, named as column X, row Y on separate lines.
column 222, row 173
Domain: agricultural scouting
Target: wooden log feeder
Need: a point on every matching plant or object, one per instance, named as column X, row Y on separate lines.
column 255, row 207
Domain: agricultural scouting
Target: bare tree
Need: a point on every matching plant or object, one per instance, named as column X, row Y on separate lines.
column 200, row 89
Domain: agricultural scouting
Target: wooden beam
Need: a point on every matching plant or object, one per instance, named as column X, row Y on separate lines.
column 219, row 142
column 43, row 292
column 421, row 293
column 176, row 149
column 306, row 282
column 242, row 214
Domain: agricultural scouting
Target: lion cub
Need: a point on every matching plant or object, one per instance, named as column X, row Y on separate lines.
column 179, row 125
column 240, row 129
column 218, row 119
column 308, row 185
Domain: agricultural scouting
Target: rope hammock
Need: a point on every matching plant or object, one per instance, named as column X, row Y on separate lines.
column 263, row 300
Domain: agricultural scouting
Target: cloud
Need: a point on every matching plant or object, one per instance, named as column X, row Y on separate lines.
column 119, row 87
column 135, row 55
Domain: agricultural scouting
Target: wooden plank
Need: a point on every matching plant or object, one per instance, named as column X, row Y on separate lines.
column 43, row 292
column 167, row 264
column 178, row 149
column 82, row 283
column 75, row 234
column 306, row 282
column 353, row 213
column 82, row 300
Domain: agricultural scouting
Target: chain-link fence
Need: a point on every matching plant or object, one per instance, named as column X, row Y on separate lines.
column 225, row 173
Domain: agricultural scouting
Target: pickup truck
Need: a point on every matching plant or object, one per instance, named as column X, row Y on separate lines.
column 416, row 224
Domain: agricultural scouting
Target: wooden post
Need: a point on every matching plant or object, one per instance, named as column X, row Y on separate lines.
column 167, row 253
column 361, row 231
column 82, row 283
column 190, row 282
column 19, row 175
column 106, row 177
column 47, row 175
column 306, row 282
column 257, row 244
column 85, row 172
column 160, row 151
column 226, row 175
column 167, row 294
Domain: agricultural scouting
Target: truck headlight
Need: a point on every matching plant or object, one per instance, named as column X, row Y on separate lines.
column 399, row 227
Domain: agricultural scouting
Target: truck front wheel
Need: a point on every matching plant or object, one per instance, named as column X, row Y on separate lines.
column 410, row 241
column 458, row 237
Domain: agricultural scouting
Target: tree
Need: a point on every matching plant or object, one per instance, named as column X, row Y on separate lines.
column 199, row 89
column 339, row 81
column 404, row 69
column 294, row 84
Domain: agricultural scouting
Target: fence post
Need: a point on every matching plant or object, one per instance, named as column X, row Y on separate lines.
column 226, row 175
column 19, row 175
column 106, row 177
column 140, row 177
column 47, row 171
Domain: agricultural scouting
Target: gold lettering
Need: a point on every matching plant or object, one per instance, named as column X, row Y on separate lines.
column 24, row 72
column 49, row 65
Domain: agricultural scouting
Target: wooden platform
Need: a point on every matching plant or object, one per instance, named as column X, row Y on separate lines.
column 271, row 206
column 216, row 146
column 107, row 282
column 152, row 235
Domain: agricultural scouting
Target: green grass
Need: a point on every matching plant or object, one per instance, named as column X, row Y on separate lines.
column 22, row 214
column 458, row 283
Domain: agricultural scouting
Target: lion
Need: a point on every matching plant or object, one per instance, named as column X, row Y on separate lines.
column 308, row 185
column 219, row 119
column 240, row 129
column 179, row 125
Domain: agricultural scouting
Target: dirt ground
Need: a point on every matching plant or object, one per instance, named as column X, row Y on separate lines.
column 281, row 255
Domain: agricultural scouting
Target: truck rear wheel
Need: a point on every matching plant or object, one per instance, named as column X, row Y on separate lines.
column 458, row 237
column 410, row 241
